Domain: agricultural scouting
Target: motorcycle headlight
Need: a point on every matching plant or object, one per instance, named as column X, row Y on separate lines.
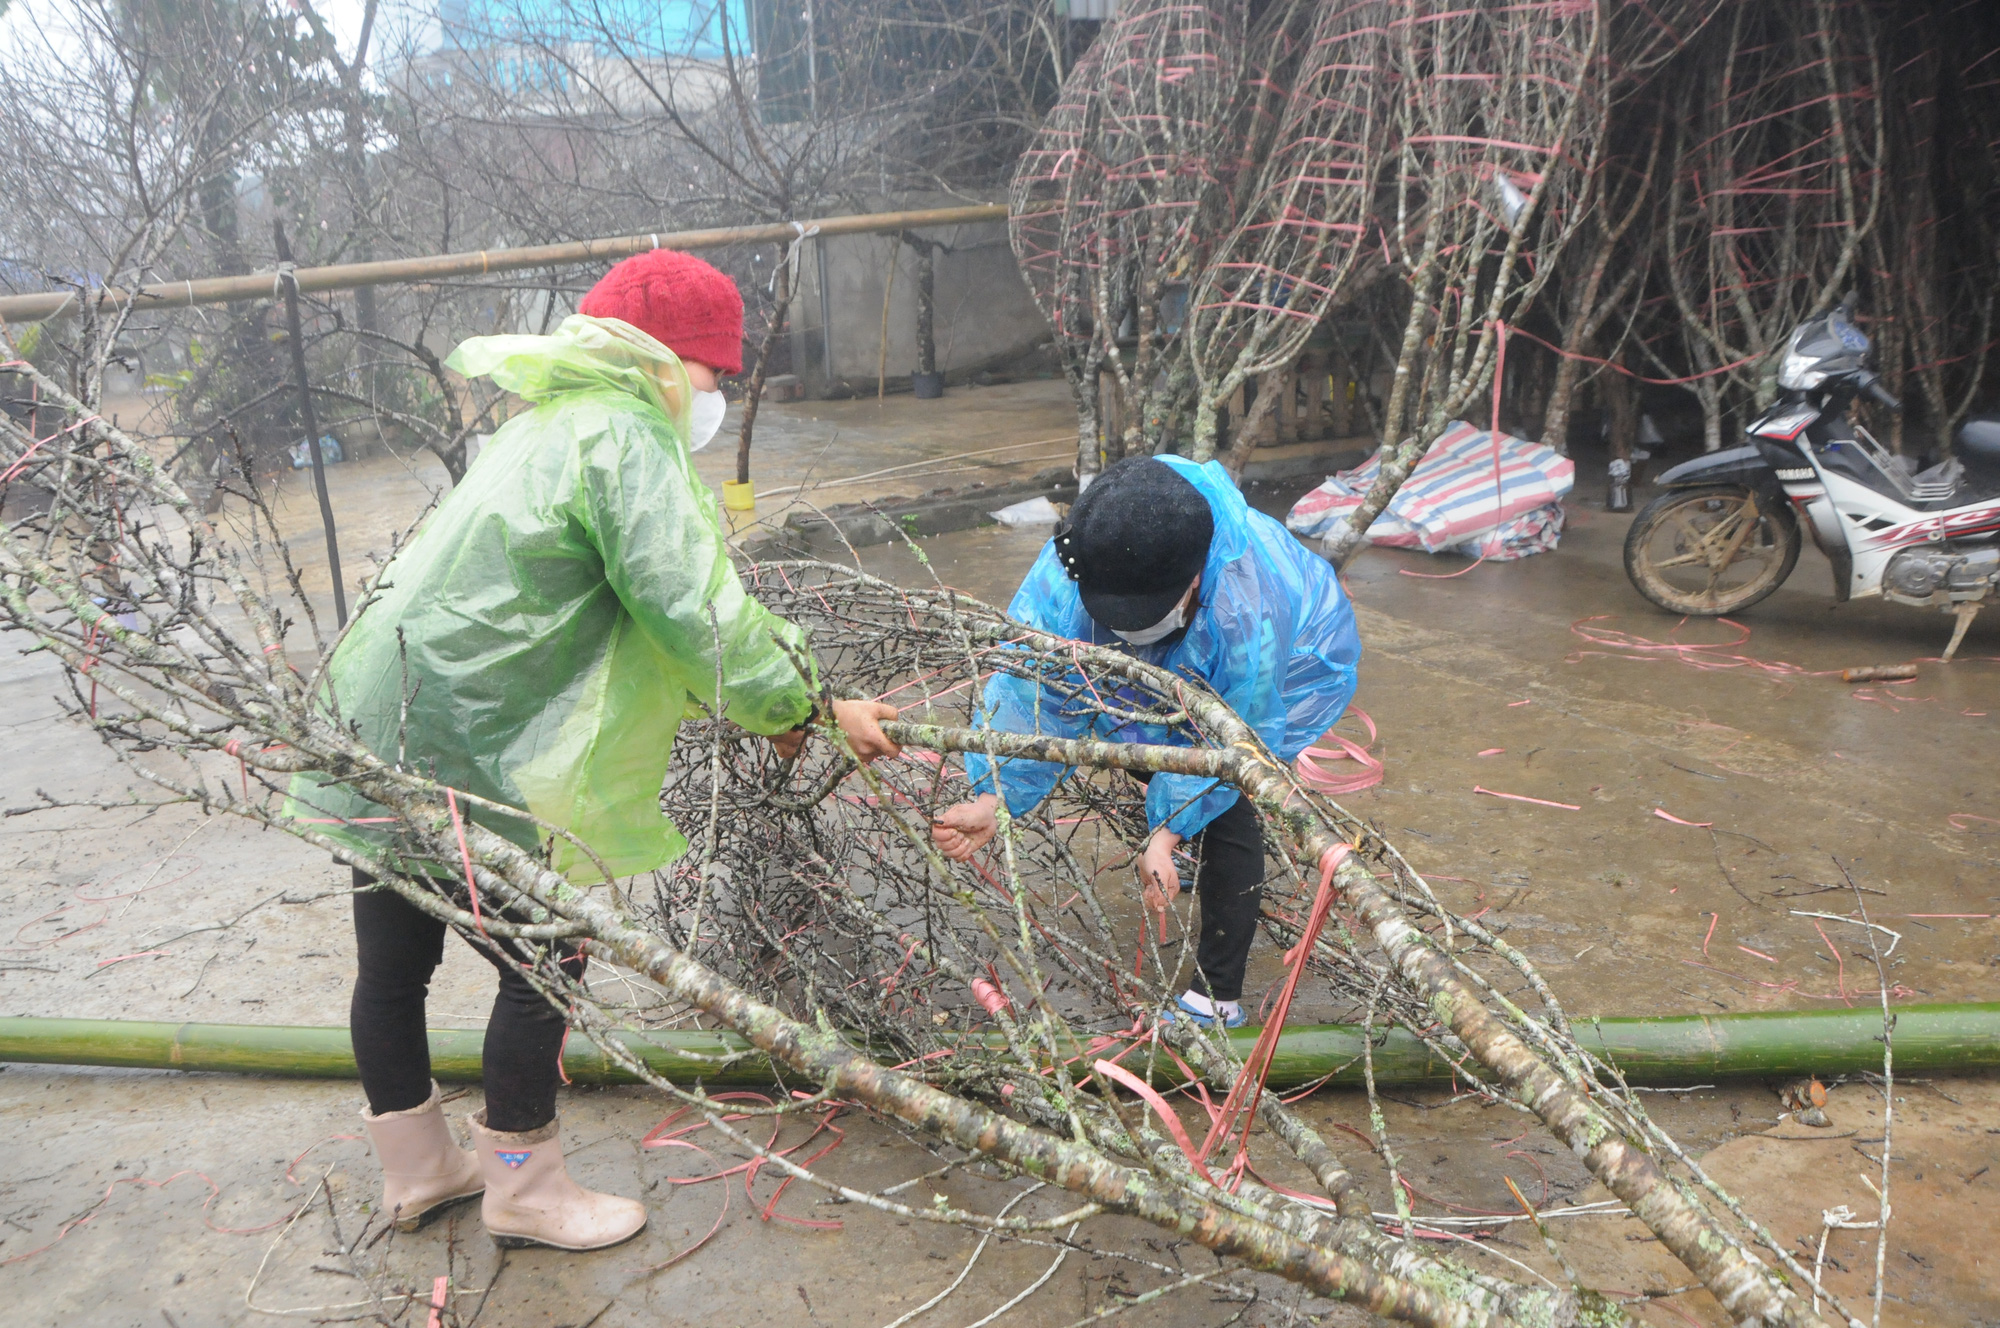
column 1798, row 373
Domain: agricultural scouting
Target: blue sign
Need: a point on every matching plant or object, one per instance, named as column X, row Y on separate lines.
column 688, row 28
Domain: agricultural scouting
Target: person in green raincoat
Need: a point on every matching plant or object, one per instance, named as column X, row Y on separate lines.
column 536, row 645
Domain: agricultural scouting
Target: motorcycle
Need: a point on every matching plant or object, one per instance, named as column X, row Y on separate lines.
column 1727, row 531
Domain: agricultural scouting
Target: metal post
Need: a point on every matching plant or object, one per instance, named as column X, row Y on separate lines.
column 298, row 343
column 825, row 310
column 926, row 306
column 812, row 62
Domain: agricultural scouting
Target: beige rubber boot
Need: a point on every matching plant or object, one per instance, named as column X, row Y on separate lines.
column 530, row 1199
column 423, row 1168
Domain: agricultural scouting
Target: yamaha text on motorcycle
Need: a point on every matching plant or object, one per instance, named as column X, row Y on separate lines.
column 1726, row 532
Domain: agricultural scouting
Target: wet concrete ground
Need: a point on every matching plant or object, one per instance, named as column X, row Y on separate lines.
column 1625, row 912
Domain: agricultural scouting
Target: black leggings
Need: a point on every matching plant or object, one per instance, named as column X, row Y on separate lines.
column 1230, row 887
column 399, row 946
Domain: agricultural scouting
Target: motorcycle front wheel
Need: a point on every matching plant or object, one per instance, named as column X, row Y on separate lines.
column 1710, row 551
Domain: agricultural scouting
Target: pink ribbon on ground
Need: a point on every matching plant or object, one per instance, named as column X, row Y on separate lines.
column 1705, row 655
column 141, row 954
column 1522, row 797
column 660, row 1136
column 1331, row 746
column 1665, row 815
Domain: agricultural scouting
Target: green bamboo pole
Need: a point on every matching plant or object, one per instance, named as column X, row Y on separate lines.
column 327, row 1053
column 1678, row 1049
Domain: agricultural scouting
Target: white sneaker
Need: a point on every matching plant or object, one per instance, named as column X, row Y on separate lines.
column 1193, row 1005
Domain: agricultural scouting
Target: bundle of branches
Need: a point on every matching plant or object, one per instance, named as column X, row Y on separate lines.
column 1775, row 188
column 815, row 919
column 1593, row 293
column 1934, row 256
column 1117, row 203
column 1672, row 188
column 1300, row 232
column 1498, row 123
column 123, row 143
column 1188, row 218
column 1193, row 206
column 1601, row 273
column 1049, row 219
column 1774, row 160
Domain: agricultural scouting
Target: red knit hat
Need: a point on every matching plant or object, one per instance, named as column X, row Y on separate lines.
column 678, row 300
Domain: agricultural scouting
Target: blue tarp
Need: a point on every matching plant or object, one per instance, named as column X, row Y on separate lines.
column 1274, row 637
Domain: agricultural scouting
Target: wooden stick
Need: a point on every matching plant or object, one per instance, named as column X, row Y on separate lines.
column 1879, row 673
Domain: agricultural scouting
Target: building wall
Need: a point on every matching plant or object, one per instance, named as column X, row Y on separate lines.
column 983, row 313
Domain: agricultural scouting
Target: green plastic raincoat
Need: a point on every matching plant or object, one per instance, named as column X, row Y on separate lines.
column 555, row 612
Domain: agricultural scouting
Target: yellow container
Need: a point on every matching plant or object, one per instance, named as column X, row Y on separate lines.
column 739, row 497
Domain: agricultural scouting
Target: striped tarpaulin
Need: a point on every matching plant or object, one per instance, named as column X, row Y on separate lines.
column 1450, row 499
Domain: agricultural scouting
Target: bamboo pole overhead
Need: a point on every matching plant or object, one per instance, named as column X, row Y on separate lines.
column 350, row 276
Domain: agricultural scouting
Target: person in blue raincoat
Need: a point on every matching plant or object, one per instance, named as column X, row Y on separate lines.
column 1163, row 558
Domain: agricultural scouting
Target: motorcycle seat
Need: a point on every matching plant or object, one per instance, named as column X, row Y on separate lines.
column 1979, row 442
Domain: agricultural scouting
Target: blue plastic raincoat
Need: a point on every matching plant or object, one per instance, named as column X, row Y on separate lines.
column 1274, row 637
column 555, row 611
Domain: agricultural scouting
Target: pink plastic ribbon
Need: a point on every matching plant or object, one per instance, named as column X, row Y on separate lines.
column 465, row 856
column 1521, row 797
column 1241, row 1104
column 990, row 997
column 1331, row 747
column 1113, row 1070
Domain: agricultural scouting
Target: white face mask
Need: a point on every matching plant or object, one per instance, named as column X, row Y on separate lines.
column 704, row 418
column 1159, row 631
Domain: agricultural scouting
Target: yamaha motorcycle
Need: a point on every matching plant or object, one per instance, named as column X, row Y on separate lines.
column 1727, row 531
